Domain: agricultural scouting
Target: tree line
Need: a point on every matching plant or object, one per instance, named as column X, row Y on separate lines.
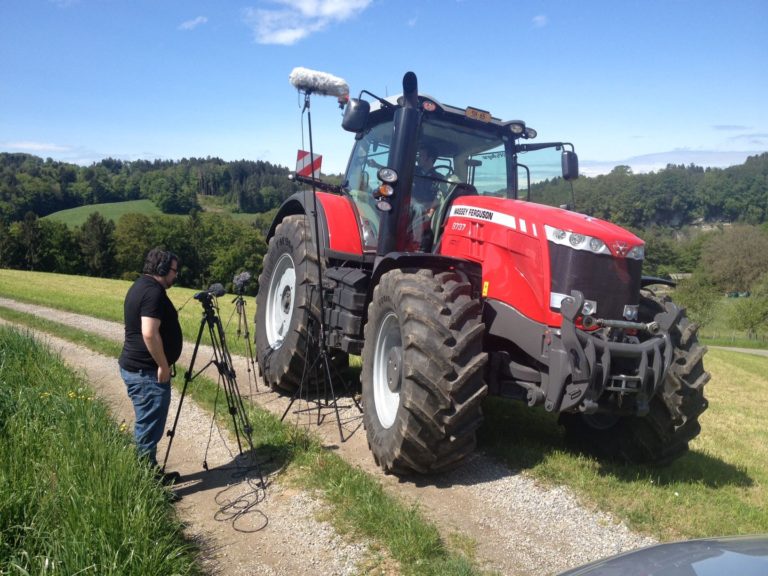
column 670, row 198
column 30, row 184
column 211, row 247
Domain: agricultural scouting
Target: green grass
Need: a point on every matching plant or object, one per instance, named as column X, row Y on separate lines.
column 358, row 504
column 111, row 211
column 719, row 487
column 114, row 210
column 72, row 498
column 720, row 331
column 217, row 204
column 103, row 298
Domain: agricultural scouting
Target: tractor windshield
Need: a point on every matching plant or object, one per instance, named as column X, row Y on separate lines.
column 465, row 152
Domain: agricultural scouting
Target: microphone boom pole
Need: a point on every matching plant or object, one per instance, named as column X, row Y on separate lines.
column 312, row 82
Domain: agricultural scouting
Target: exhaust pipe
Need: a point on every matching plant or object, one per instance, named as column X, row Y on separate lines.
column 410, row 90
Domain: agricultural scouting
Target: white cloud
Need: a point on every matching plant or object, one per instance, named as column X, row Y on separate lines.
column 37, row 147
column 291, row 20
column 194, row 23
column 411, row 23
column 540, row 21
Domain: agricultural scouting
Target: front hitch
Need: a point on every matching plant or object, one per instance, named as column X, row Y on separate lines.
column 592, row 358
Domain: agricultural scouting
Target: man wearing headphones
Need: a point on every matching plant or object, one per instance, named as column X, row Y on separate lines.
column 152, row 344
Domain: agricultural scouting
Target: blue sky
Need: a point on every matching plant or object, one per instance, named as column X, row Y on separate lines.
column 642, row 83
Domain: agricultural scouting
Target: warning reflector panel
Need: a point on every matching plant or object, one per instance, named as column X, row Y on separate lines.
column 306, row 166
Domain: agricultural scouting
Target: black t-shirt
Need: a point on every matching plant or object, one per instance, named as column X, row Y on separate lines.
column 147, row 297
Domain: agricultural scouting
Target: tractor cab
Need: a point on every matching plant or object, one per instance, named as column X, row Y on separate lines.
column 406, row 190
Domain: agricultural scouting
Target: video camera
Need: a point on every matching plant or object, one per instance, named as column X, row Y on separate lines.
column 206, row 297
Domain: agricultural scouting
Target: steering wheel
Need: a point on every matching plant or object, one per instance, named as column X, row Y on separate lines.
column 446, row 167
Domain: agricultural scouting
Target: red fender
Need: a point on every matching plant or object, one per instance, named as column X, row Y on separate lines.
column 341, row 222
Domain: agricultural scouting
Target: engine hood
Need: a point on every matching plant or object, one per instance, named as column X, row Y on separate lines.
column 532, row 218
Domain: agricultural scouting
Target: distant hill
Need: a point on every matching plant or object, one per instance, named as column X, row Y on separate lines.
column 31, row 184
column 74, row 217
column 111, row 211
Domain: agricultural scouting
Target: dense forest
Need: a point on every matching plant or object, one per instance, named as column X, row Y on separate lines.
column 669, row 198
column 30, row 184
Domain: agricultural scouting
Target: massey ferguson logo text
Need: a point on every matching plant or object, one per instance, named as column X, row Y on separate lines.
column 473, row 213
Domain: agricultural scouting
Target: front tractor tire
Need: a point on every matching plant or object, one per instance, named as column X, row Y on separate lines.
column 673, row 419
column 285, row 304
column 423, row 365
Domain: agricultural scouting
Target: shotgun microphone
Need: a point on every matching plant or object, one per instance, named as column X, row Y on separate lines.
column 217, row 289
column 314, row 82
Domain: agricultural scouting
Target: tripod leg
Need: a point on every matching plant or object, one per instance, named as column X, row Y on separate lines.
column 329, row 379
column 299, row 390
column 234, row 399
column 187, row 378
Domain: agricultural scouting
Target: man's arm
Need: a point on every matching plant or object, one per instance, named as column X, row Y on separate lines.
column 150, row 331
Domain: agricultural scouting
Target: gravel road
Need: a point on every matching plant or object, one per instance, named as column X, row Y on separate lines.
column 519, row 527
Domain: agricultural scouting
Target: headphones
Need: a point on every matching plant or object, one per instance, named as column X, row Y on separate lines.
column 164, row 266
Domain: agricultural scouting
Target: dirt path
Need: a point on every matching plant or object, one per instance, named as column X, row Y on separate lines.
column 518, row 527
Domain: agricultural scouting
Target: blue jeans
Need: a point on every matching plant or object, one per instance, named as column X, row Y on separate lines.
column 151, row 401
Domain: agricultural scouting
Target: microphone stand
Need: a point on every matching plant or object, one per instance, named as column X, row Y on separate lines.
column 323, row 355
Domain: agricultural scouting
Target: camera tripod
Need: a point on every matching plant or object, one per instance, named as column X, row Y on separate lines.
column 242, row 330
column 223, row 362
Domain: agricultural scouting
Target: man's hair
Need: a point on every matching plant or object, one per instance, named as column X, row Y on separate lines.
column 430, row 149
column 158, row 261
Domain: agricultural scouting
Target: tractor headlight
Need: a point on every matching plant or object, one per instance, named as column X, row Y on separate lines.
column 575, row 240
column 596, row 245
column 637, row 253
column 387, row 175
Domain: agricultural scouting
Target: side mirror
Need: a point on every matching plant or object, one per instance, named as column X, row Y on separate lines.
column 355, row 115
column 570, row 164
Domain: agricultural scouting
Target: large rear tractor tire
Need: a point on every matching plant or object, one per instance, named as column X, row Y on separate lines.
column 423, row 364
column 673, row 420
column 287, row 300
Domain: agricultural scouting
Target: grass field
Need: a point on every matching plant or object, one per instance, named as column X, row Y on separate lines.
column 721, row 332
column 65, row 469
column 111, row 211
column 103, row 298
column 718, row 488
column 114, row 210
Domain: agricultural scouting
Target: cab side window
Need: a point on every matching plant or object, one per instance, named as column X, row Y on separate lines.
column 371, row 152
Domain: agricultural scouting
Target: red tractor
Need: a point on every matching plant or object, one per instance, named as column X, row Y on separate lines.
column 452, row 287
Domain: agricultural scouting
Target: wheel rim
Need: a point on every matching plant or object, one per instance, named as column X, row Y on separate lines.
column 387, row 370
column 280, row 301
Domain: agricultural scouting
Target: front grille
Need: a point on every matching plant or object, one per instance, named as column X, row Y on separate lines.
column 611, row 282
